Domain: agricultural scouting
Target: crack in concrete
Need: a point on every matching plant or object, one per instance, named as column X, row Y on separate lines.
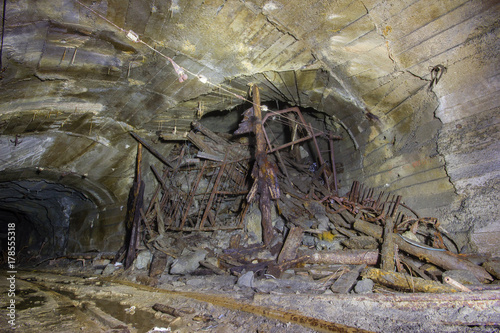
column 280, row 27
column 417, row 76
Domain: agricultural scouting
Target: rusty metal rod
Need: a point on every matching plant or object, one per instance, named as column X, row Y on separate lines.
column 151, row 149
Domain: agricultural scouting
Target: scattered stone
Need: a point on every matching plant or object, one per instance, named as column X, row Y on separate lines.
column 197, row 282
column 461, row 276
column 329, row 245
column 109, row 269
column 246, row 280
column 188, row 262
column 364, row 286
column 309, row 240
column 253, row 225
column 146, row 280
column 178, row 284
column 143, row 260
column 493, row 267
column 100, row 263
column 158, row 264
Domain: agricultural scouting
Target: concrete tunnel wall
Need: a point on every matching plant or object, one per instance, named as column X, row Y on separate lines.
column 436, row 147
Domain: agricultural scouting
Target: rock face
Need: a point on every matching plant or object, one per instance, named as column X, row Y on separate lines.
column 412, row 88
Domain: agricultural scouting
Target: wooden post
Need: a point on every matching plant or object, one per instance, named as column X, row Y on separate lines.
column 265, row 173
column 135, row 202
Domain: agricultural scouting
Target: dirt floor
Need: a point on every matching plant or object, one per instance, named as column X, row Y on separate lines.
column 74, row 299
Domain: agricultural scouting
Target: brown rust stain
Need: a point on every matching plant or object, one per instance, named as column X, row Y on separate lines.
column 233, row 304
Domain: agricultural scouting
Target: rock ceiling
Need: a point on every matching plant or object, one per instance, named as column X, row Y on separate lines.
column 78, row 76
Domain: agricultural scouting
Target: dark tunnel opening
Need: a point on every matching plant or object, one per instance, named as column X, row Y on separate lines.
column 282, row 129
column 48, row 218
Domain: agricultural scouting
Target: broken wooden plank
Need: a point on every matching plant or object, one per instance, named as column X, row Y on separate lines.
column 444, row 259
column 212, row 267
column 388, row 253
column 267, row 180
column 361, row 242
column 292, row 243
column 151, row 149
column 208, row 133
column 369, row 229
column 135, row 202
column 167, row 309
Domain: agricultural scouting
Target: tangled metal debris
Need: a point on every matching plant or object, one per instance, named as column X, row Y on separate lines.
column 210, row 183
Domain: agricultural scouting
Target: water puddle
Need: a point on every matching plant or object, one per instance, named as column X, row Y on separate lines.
column 31, row 302
column 142, row 320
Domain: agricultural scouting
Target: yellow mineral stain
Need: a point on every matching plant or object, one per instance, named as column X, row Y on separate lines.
column 387, row 30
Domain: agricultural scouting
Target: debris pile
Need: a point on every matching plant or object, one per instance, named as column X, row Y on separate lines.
column 272, row 201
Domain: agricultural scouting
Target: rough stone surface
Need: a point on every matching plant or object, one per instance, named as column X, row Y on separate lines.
column 109, row 269
column 364, row 286
column 246, row 280
column 73, row 86
column 188, row 262
column 143, row 259
column 461, row 276
column 493, row 267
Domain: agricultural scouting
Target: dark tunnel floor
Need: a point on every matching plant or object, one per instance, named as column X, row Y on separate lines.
column 74, row 298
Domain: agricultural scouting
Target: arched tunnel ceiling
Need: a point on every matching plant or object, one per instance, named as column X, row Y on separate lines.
column 73, row 85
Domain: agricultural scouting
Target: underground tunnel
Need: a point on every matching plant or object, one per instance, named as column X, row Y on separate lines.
column 249, row 166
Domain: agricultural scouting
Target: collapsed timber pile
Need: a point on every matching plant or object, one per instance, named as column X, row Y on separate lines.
column 211, row 184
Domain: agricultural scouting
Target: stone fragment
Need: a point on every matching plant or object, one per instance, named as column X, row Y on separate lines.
column 188, row 262
column 345, row 282
column 364, row 286
column 158, row 264
column 109, row 269
column 100, row 263
column 493, row 267
column 246, row 280
column 143, row 259
column 461, row 276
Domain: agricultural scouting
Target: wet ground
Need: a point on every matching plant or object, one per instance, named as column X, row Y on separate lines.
column 57, row 302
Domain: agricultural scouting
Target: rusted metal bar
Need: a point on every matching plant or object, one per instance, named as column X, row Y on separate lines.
column 212, row 195
column 159, row 178
column 301, row 122
column 133, row 210
column 156, row 192
column 320, row 158
column 395, row 207
column 151, row 149
column 297, row 141
column 192, row 195
column 332, row 160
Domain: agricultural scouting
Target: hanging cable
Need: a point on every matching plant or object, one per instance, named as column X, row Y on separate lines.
column 181, row 71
